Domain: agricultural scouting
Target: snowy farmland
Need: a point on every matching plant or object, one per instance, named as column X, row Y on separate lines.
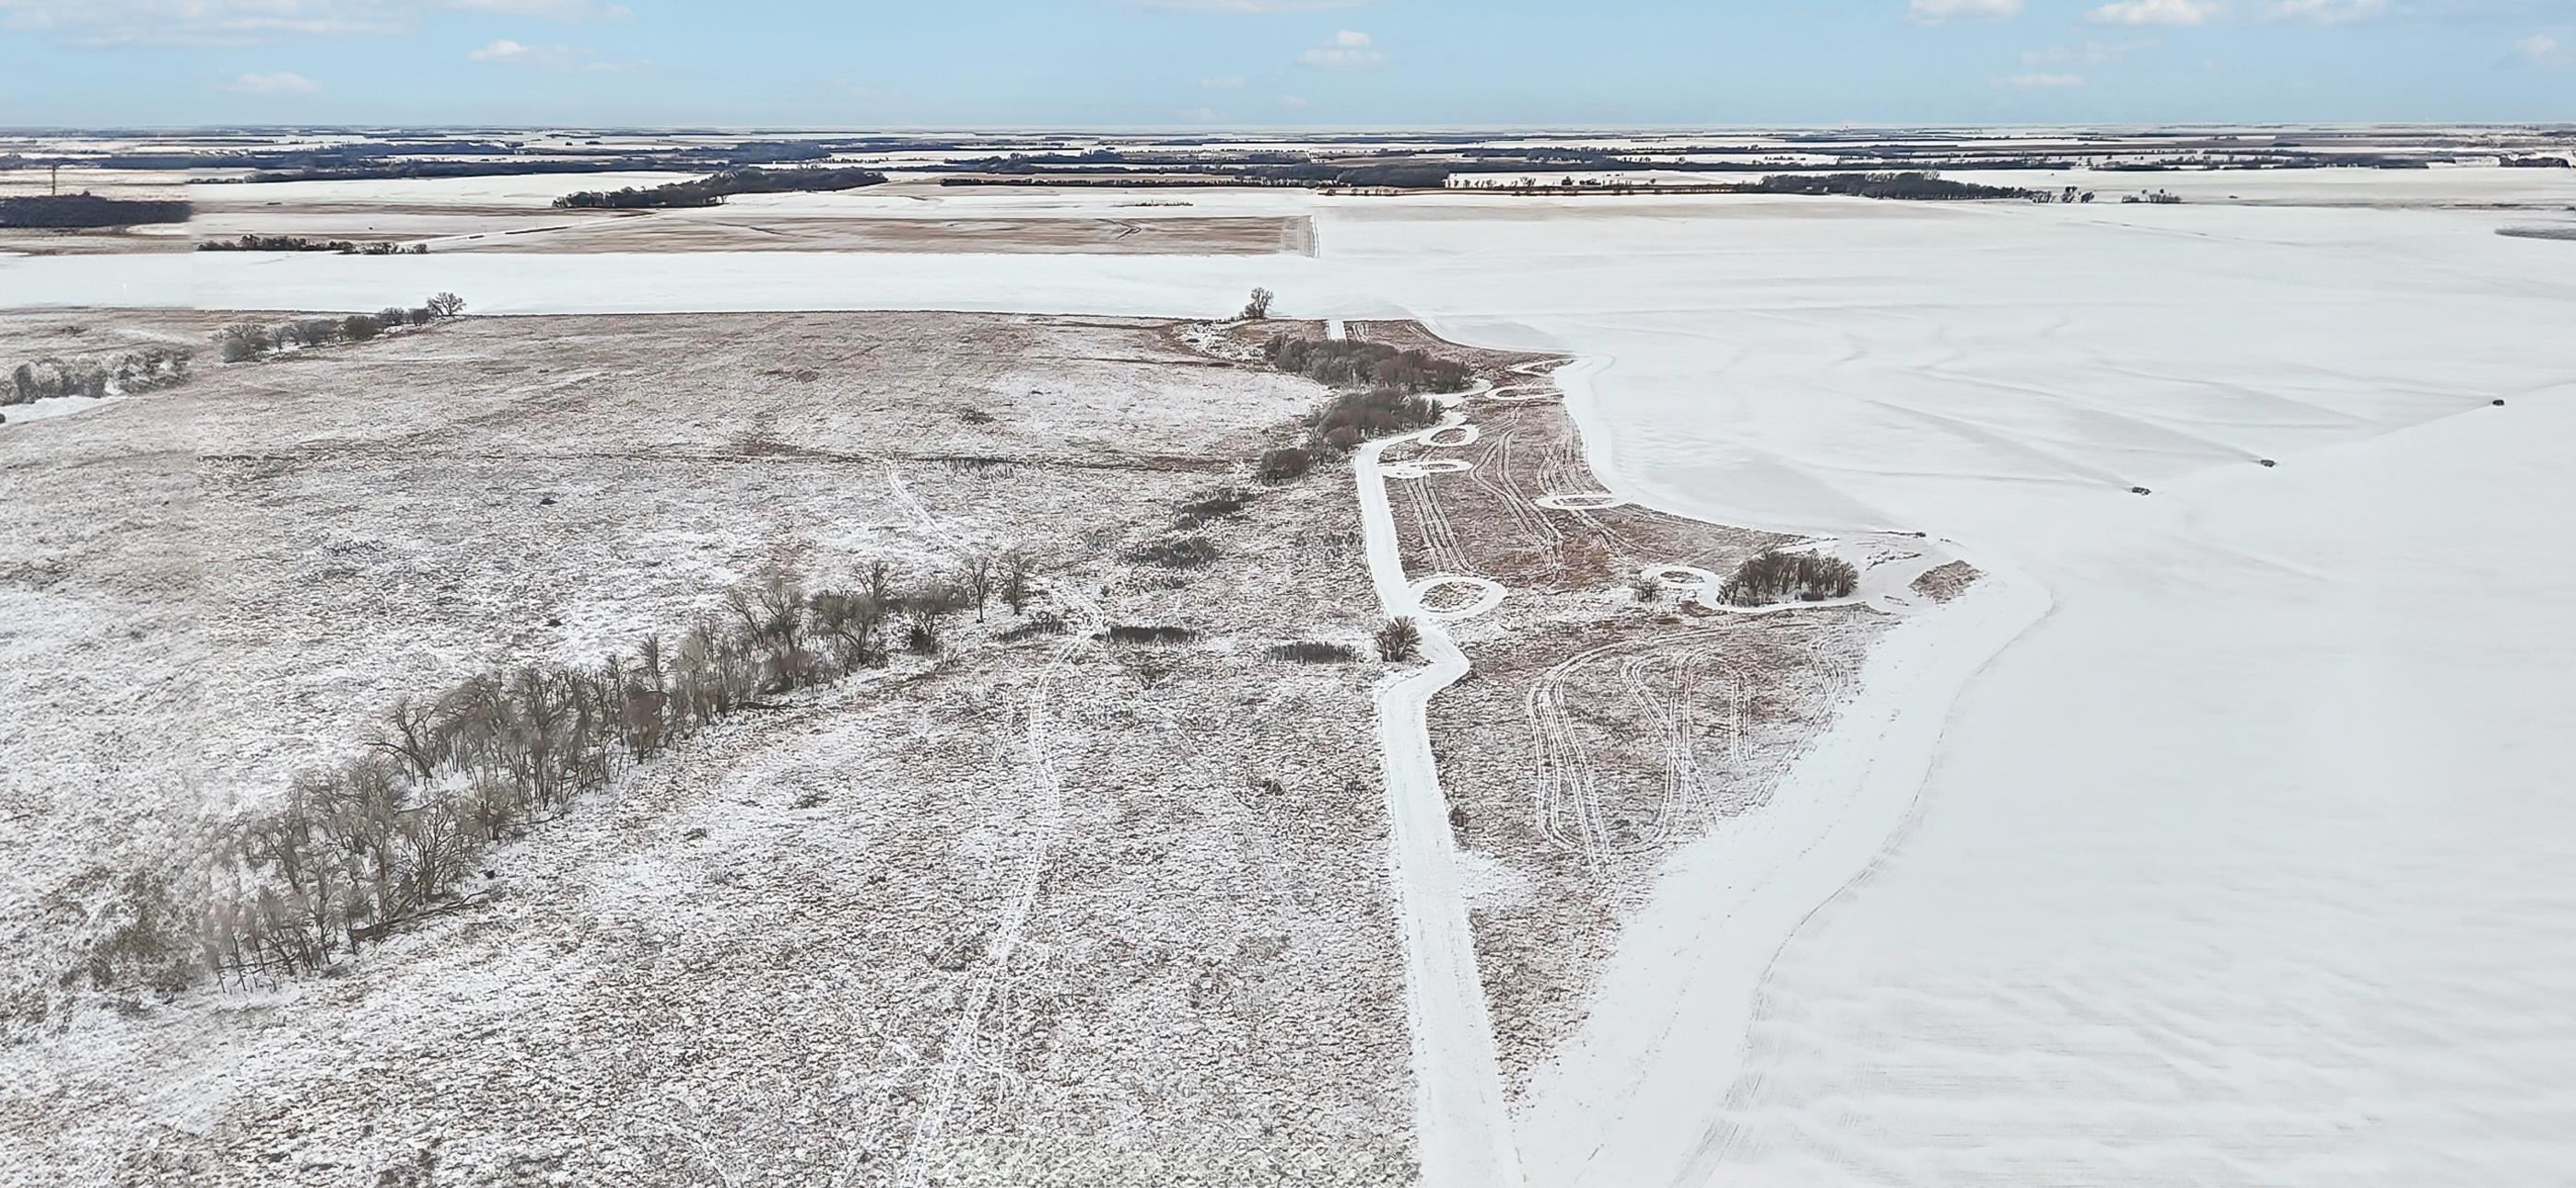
column 2213, row 839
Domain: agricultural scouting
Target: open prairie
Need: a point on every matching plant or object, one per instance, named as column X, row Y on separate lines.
column 2165, row 804
column 1050, row 908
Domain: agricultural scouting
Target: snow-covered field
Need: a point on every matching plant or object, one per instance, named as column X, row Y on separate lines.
column 2242, row 862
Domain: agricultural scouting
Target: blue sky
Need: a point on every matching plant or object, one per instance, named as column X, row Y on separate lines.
column 1289, row 63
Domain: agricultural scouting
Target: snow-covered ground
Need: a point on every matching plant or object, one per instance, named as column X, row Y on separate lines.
column 2245, row 864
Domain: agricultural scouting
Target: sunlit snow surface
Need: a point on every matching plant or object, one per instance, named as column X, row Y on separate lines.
column 2251, row 861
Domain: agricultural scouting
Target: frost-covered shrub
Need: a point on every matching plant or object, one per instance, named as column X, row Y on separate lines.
column 1311, row 652
column 1353, row 417
column 1773, row 576
column 1177, row 552
column 244, row 341
column 1284, row 464
column 1399, row 639
column 1131, row 633
column 1352, row 363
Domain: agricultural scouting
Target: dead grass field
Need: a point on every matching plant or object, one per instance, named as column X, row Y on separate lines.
column 1046, row 912
column 1600, row 728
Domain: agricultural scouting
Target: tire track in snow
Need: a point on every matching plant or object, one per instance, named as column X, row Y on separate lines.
column 967, row 1028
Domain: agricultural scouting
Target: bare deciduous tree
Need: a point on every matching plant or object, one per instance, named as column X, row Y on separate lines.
column 978, row 575
column 1017, row 571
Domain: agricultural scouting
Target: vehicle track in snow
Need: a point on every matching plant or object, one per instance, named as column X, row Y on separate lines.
column 1040, row 762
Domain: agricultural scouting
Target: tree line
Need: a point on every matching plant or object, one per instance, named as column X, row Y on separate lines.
column 244, row 341
column 88, row 210
column 1916, row 187
column 396, row 831
column 298, row 243
column 714, row 188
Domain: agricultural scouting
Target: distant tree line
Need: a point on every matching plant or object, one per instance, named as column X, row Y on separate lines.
column 297, row 243
column 138, row 370
column 243, row 341
column 88, row 210
column 436, row 158
column 713, row 189
column 1916, row 187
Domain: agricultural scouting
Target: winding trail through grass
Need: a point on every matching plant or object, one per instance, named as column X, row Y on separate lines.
column 1462, row 1121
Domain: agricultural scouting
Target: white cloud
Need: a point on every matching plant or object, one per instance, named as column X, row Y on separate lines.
column 284, row 82
column 1943, row 12
column 2041, row 81
column 2539, row 49
column 2091, row 53
column 554, row 59
column 1293, row 101
column 1343, row 51
column 2326, row 12
column 570, row 12
column 2157, row 12
column 251, row 22
column 1231, row 82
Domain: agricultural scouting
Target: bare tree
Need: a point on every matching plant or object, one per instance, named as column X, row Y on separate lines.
column 1258, row 307
column 445, row 305
column 978, row 574
column 413, row 736
column 1016, row 572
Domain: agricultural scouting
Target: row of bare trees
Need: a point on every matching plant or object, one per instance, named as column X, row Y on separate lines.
column 397, row 832
column 244, row 341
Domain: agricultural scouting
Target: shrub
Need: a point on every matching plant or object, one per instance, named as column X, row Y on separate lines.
column 1284, row 464
column 1218, row 504
column 1772, row 576
column 1178, row 552
column 1351, row 362
column 1047, row 623
column 1310, row 652
column 1353, row 417
column 1130, row 633
column 244, row 340
column 1399, row 639
column 361, row 327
